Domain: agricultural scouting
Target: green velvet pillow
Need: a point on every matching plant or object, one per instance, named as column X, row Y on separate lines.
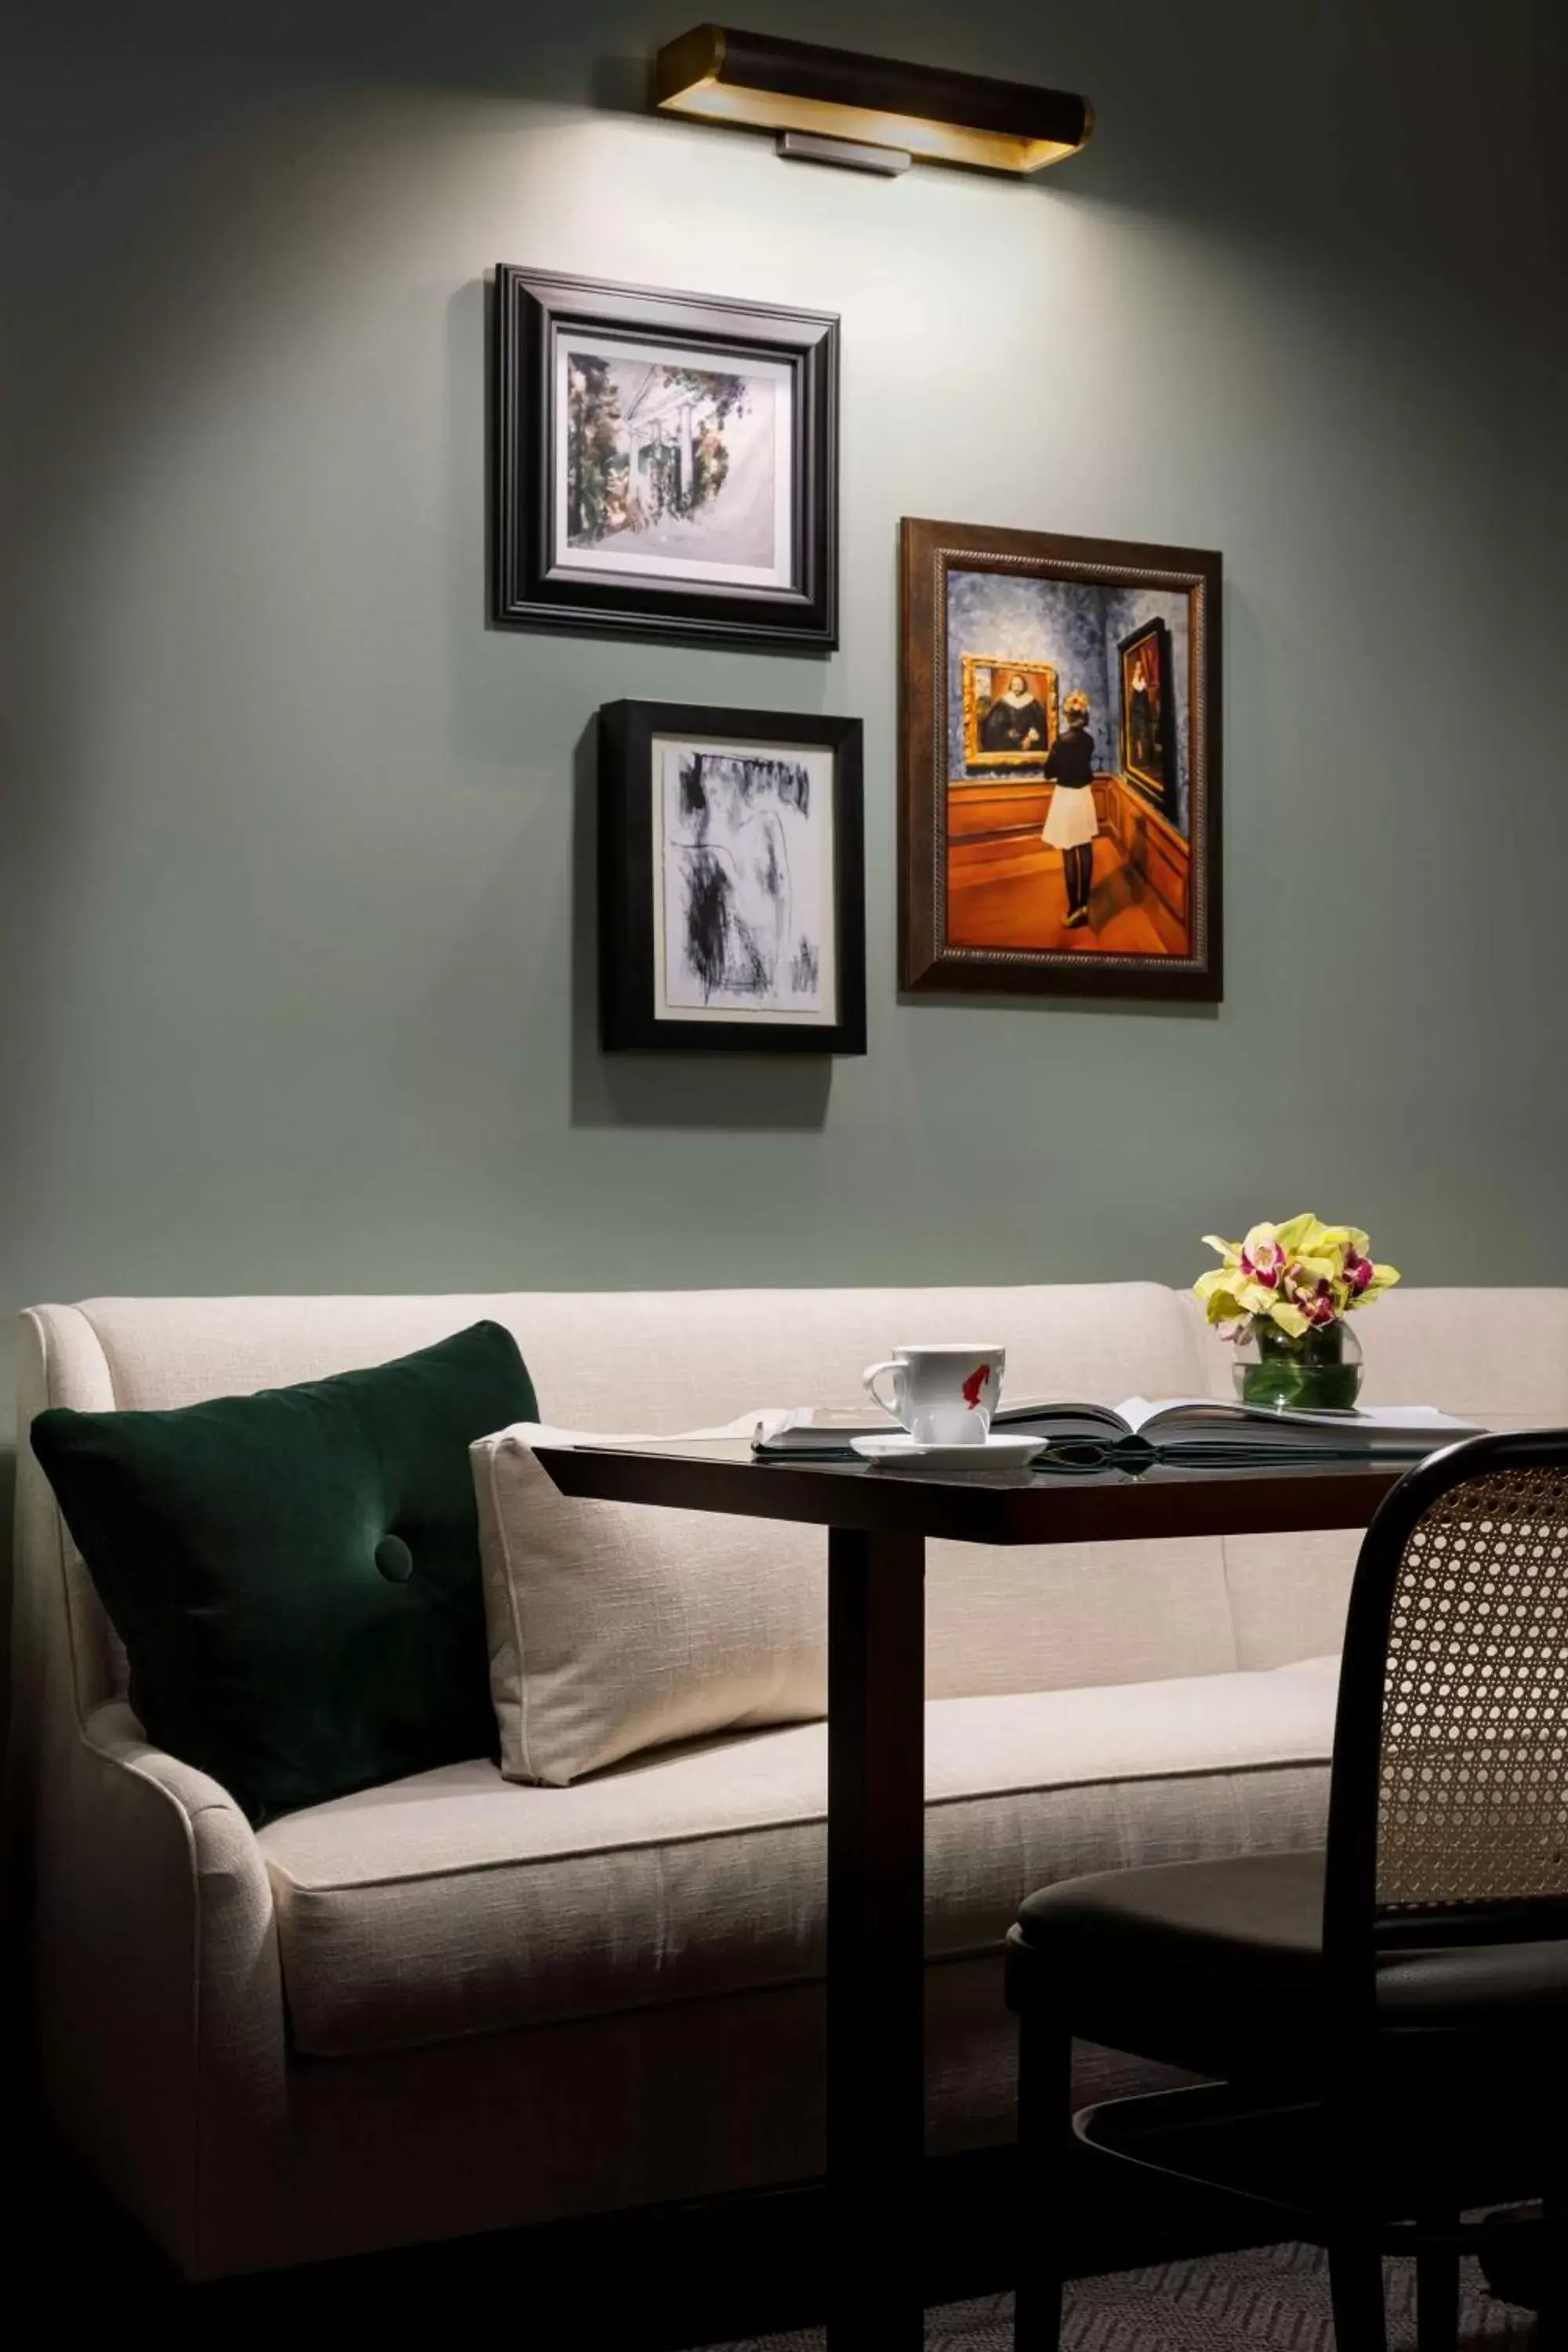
column 295, row 1575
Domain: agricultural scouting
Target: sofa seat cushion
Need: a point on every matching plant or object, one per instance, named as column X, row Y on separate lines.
column 458, row 1902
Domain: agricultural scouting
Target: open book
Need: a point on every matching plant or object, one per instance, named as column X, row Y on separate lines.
column 1189, row 1429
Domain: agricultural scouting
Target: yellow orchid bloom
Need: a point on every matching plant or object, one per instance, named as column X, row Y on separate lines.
column 1277, row 1267
column 1218, row 1294
column 1289, row 1318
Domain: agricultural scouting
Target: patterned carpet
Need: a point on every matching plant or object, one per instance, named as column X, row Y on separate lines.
column 1275, row 2296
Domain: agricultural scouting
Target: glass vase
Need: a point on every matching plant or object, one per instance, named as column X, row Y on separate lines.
column 1320, row 1371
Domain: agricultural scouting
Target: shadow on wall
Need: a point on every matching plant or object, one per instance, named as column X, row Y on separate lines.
column 735, row 1091
column 8, row 1580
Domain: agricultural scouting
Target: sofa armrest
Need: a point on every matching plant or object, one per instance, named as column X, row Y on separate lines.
column 161, row 2031
column 114, row 1732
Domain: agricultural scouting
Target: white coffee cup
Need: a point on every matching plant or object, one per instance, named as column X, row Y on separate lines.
column 943, row 1395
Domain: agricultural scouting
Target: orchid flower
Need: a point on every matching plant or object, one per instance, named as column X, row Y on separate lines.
column 1300, row 1276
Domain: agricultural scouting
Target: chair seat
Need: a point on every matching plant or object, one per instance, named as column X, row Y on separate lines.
column 1217, row 1966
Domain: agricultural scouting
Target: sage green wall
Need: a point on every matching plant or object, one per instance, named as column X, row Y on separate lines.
column 294, row 983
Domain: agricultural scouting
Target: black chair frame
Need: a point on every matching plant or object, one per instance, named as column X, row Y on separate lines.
column 1369, row 2150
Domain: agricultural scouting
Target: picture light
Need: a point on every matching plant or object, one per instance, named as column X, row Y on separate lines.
column 833, row 105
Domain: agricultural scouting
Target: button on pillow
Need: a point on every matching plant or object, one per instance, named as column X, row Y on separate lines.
column 295, row 1575
column 395, row 1560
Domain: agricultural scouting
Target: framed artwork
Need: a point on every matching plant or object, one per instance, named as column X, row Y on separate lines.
column 1059, row 769
column 665, row 465
column 1148, row 739
column 1009, row 711
column 731, row 880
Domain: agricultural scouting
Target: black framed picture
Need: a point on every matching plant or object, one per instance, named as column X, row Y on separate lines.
column 667, row 465
column 731, row 880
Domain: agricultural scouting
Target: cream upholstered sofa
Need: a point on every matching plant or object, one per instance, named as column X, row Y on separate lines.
column 454, row 2003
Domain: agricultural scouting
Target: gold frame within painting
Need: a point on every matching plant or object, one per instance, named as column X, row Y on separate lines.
column 973, row 756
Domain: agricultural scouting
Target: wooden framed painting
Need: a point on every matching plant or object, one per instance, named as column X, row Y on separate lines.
column 1148, row 734
column 665, row 465
column 731, row 880
column 1060, row 772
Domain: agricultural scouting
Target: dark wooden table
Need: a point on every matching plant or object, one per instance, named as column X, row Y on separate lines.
column 878, row 1523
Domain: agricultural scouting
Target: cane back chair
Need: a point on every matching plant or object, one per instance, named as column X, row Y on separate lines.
column 1384, row 2022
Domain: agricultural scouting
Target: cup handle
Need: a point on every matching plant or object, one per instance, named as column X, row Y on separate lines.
column 872, row 1375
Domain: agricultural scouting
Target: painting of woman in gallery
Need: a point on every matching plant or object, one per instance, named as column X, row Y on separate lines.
column 1060, row 771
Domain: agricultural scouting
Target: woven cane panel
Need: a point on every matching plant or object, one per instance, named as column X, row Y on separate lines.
column 1473, row 1776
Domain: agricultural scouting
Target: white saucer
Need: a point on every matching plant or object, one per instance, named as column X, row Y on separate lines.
column 997, row 1453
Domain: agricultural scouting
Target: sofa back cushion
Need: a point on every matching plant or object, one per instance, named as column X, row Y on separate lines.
column 997, row 1621
column 1042, row 1619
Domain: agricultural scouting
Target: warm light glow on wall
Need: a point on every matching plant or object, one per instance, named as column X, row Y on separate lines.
column 761, row 84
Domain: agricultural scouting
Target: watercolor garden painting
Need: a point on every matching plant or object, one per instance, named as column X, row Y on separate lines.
column 674, row 468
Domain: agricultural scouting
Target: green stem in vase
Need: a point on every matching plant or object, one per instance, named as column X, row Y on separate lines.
column 1313, row 1372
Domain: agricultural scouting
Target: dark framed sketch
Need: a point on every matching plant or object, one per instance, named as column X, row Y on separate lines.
column 1148, row 733
column 731, row 880
column 1059, row 769
column 665, row 465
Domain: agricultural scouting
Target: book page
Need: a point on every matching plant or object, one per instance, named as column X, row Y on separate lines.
column 1178, row 1417
column 1062, row 1419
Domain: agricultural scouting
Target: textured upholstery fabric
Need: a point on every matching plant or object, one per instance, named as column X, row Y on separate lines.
column 614, row 1629
column 643, row 2107
column 457, row 1903
column 295, row 1574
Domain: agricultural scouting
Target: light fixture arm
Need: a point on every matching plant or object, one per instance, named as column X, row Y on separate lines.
column 849, row 154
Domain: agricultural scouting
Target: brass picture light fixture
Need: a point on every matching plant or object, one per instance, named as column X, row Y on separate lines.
column 873, row 114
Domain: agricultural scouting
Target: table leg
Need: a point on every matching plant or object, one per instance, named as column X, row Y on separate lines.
column 876, row 1938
